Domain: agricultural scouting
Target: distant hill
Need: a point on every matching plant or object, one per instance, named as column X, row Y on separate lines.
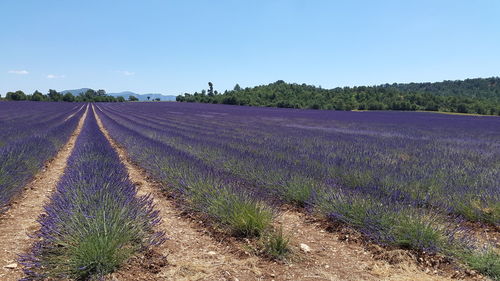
column 479, row 95
column 75, row 92
column 125, row 94
column 143, row 97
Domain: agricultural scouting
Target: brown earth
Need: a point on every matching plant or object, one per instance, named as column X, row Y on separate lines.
column 74, row 113
column 195, row 253
column 20, row 219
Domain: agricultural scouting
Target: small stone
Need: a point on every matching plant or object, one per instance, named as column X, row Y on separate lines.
column 305, row 248
column 212, row 253
column 11, row 266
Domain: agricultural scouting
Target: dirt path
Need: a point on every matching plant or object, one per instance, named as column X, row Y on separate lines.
column 20, row 219
column 74, row 113
column 192, row 253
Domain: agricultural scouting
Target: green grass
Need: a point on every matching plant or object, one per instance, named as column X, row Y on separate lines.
column 276, row 245
column 299, row 190
column 404, row 227
column 417, row 231
column 486, row 261
column 239, row 213
column 103, row 243
column 474, row 210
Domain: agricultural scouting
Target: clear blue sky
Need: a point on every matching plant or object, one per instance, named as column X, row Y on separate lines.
column 178, row 46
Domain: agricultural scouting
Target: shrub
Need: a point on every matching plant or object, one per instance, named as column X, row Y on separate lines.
column 486, row 261
column 276, row 244
column 298, row 190
column 242, row 215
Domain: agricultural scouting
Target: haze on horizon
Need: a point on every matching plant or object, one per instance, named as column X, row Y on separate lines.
column 172, row 47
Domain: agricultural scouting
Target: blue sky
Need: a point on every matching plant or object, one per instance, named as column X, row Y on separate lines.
column 173, row 47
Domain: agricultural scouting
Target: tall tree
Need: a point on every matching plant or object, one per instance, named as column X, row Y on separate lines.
column 37, row 96
column 54, row 95
column 210, row 89
column 68, row 97
column 90, row 95
column 16, row 96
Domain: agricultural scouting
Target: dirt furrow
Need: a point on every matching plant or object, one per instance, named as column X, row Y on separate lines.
column 20, row 220
column 193, row 253
column 332, row 257
column 67, row 118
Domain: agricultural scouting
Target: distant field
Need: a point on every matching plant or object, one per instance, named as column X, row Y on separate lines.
column 425, row 183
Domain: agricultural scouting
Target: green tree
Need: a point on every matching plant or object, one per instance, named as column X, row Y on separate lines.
column 54, row 95
column 210, row 89
column 462, row 108
column 16, row 96
column 133, row 98
column 68, row 97
column 37, row 96
column 480, row 96
column 90, row 95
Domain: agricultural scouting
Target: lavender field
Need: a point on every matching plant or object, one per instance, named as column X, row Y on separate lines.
column 411, row 180
column 30, row 134
column 427, row 184
column 446, row 163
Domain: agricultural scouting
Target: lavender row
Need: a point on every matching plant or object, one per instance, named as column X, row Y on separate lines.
column 95, row 220
column 26, row 147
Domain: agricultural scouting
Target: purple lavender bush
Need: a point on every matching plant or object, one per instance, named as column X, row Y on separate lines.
column 95, row 221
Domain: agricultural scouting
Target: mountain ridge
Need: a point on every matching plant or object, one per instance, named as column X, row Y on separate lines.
column 126, row 94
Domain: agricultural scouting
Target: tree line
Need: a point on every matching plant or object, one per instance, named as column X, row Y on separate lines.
column 479, row 96
column 53, row 95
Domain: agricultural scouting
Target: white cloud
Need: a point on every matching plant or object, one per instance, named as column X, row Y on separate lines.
column 19, row 72
column 126, row 73
column 54, row 76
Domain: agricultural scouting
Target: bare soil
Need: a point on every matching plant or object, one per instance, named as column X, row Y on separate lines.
column 20, row 219
column 193, row 252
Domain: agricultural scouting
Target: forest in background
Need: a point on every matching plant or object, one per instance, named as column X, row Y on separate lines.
column 477, row 96
column 88, row 96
